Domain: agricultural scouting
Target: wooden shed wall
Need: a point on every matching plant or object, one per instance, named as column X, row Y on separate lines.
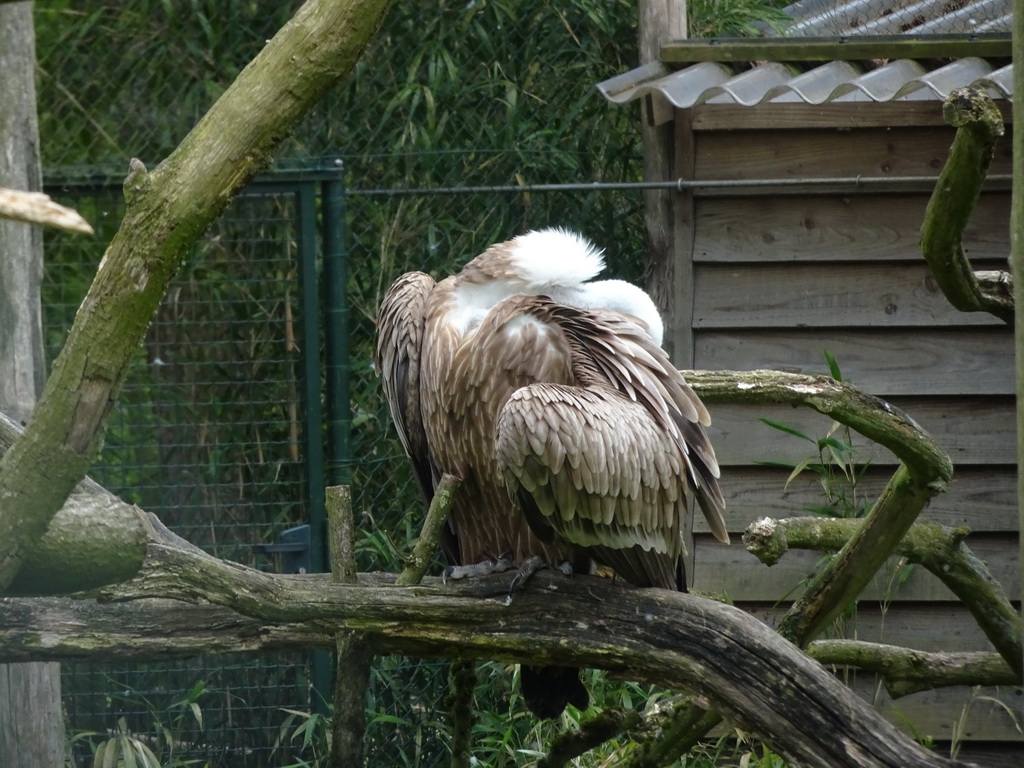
column 772, row 280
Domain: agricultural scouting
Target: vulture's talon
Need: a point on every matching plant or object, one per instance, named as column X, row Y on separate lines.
column 487, row 567
column 529, row 567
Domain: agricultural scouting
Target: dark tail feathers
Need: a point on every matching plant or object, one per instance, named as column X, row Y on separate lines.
column 548, row 689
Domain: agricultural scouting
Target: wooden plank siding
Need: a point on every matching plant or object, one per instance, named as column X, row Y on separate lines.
column 858, row 227
column 773, row 153
column 825, row 294
column 778, row 278
column 984, row 498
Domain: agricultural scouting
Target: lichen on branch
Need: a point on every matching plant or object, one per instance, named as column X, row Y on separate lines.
column 979, row 124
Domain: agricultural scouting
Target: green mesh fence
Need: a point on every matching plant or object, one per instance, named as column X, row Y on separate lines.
column 207, row 434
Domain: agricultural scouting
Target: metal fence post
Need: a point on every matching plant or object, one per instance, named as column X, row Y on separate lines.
column 320, row 661
column 336, row 352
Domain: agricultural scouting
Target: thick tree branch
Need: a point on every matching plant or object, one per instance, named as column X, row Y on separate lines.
column 63, row 628
column 97, row 539
column 979, row 124
column 66, row 629
column 679, row 640
column 167, row 210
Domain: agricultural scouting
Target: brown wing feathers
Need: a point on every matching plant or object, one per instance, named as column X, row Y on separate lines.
column 400, row 327
column 614, row 459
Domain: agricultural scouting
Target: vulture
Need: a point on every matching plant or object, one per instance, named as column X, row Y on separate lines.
column 549, row 395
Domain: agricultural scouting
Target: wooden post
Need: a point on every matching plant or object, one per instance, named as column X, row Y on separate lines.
column 660, row 21
column 31, row 722
column 668, row 214
column 353, row 649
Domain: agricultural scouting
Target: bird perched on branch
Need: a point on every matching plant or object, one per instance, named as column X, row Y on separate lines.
column 574, row 436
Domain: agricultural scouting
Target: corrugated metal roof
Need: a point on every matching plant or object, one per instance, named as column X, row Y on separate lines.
column 836, row 81
column 898, row 17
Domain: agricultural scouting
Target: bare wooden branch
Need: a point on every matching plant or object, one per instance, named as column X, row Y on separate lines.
column 907, row 671
column 938, row 548
column 678, row 640
column 62, row 628
column 979, row 124
column 38, row 208
column 430, row 535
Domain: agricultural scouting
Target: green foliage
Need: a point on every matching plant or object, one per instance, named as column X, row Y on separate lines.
column 309, row 733
column 735, row 18
column 834, row 462
column 124, row 749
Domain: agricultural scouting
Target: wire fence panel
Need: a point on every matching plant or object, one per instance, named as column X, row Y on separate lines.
column 206, row 434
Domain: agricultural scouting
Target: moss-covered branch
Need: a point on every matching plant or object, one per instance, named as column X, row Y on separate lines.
column 871, row 416
column 907, row 671
column 679, row 640
column 936, row 547
column 167, row 210
column 428, row 543
column 979, row 124
column 62, row 628
column 97, row 539
column 925, row 471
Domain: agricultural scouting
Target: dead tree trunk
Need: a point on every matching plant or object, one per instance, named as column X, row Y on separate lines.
column 31, row 722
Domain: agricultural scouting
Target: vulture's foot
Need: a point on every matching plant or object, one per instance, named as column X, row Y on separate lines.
column 487, row 567
column 530, row 566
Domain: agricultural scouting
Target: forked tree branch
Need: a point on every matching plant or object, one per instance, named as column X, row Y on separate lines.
column 925, row 471
column 938, row 548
